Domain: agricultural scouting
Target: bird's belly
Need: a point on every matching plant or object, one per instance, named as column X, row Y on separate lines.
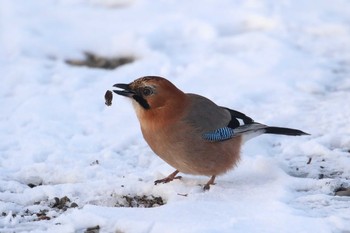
column 194, row 155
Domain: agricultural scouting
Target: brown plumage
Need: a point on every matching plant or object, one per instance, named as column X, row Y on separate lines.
column 189, row 131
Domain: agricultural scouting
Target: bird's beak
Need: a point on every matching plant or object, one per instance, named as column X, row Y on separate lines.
column 127, row 91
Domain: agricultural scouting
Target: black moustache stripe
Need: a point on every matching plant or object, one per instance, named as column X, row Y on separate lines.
column 141, row 101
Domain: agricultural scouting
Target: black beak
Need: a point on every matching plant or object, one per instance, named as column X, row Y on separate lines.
column 126, row 90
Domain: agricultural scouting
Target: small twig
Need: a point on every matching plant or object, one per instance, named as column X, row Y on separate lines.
column 184, row 195
column 309, row 161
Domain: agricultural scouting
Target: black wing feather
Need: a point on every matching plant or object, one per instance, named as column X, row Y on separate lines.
column 235, row 128
column 234, row 123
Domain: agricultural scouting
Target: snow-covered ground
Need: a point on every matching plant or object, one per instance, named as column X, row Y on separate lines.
column 284, row 63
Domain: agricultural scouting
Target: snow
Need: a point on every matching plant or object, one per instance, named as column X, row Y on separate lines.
column 283, row 63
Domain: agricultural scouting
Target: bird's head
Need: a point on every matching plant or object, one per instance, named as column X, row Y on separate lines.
column 151, row 93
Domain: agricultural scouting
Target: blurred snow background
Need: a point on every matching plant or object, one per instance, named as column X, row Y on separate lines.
column 284, row 63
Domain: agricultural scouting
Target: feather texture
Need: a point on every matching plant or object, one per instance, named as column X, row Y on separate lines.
column 218, row 135
column 190, row 132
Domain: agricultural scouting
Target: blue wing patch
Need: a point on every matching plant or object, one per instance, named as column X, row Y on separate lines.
column 219, row 134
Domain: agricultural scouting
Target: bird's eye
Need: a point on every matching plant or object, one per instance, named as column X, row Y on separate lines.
column 147, row 91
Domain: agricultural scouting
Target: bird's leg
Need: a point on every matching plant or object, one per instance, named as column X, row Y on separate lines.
column 210, row 182
column 169, row 178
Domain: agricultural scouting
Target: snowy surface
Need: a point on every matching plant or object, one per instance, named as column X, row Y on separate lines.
column 284, row 63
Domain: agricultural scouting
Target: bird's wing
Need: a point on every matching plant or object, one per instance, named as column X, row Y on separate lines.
column 204, row 115
column 238, row 119
column 216, row 123
column 239, row 125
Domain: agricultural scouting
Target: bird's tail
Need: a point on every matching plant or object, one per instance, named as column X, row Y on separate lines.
column 284, row 131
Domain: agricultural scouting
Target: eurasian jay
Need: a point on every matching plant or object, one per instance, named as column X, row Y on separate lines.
column 190, row 132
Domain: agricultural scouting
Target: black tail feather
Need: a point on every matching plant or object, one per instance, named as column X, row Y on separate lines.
column 285, row 131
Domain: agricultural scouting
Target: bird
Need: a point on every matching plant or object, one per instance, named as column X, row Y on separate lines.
column 189, row 131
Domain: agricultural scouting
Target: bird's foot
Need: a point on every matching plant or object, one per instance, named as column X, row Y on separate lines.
column 166, row 180
column 210, row 182
column 169, row 178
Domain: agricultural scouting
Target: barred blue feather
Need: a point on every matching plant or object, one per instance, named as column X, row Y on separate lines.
column 219, row 134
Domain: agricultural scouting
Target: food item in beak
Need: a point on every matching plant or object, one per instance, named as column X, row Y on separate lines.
column 108, row 97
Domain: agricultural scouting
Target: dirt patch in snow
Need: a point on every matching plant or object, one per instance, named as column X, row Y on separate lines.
column 140, row 201
column 96, row 61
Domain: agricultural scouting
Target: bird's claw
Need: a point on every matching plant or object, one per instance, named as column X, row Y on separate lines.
column 167, row 180
column 210, row 182
column 206, row 187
